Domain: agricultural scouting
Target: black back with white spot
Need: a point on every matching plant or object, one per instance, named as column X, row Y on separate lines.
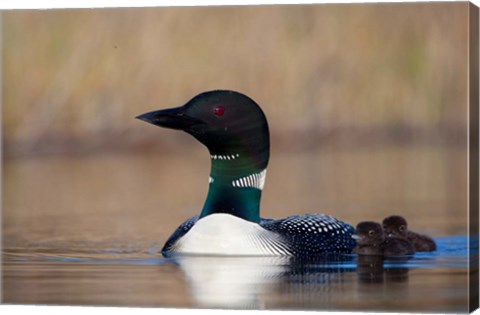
column 313, row 234
column 305, row 235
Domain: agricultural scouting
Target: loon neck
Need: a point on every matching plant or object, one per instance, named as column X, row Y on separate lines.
column 236, row 184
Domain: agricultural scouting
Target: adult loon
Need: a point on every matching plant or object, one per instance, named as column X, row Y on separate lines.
column 235, row 131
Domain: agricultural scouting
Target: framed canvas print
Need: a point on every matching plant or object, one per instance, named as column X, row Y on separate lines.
column 270, row 157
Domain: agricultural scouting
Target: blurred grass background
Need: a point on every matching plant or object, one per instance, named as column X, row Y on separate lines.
column 74, row 79
column 367, row 107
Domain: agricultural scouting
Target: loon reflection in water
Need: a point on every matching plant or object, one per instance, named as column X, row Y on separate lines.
column 240, row 282
column 244, row 282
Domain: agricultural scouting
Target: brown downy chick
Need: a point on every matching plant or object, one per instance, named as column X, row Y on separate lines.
column 396, row 226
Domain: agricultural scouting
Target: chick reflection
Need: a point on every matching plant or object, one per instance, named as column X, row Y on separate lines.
column 231, row 282
column 371, row 269
column 396, row 269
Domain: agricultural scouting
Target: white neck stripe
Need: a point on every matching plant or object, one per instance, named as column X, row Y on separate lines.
column 225, row 157
column 256, row 180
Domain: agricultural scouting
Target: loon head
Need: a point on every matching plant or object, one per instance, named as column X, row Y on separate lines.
column 395, row 226
column 369, row 233
column 235, row 131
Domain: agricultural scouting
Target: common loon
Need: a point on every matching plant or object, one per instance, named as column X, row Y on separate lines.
column 372, row 241
column 235, row 131
column 396, row 226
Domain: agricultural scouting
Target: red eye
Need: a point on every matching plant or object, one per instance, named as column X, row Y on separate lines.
column 219, row 110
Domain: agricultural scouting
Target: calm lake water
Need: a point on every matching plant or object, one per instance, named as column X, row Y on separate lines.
column 140, row 277
column 87, row 231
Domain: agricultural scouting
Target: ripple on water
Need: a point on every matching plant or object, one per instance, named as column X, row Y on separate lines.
column 452, row 251
column 136, row 274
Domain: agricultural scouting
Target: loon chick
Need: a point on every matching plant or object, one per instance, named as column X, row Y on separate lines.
column 397, row 246
column 371, row 240
column 396, row 226
column 235, row 131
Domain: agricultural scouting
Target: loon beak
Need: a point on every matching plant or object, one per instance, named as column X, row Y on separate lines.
column 173, row 118
column 356, row 237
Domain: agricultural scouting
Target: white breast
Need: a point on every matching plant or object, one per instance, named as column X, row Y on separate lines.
column 225, row 234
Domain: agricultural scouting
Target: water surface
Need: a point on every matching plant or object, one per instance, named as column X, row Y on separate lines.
column 87, row 230
column 139, row 276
